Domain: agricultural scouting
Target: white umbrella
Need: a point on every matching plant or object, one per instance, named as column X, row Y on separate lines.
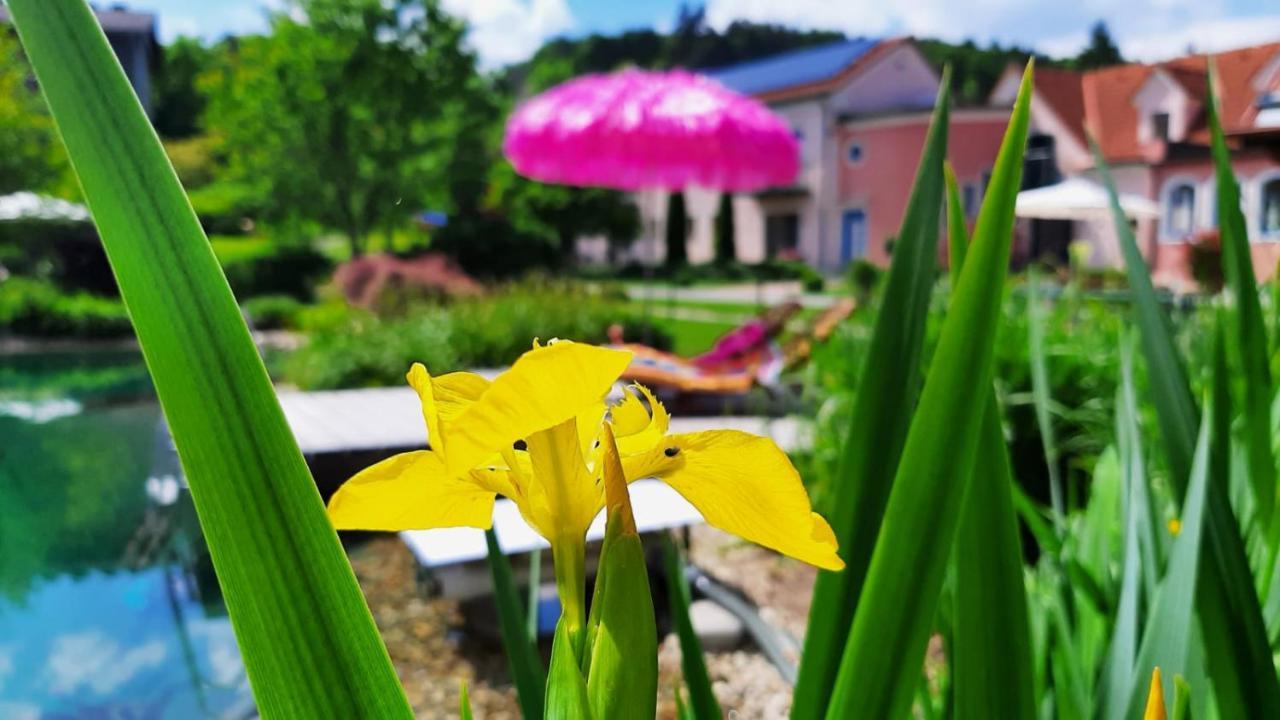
column 1079, row 199
column 30, row 206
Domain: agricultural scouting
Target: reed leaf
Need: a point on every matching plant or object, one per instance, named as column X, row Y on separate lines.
column 890, row 631
column 526, row 669
column 991, row 646
column 702, row 700
column 1238, row 656
column 883, row 405
column 1249, row 332
column 309, row 644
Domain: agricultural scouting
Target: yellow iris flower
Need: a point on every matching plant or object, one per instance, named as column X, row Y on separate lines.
column 532, row 435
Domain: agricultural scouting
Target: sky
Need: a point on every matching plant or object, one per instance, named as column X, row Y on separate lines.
column 507, row 31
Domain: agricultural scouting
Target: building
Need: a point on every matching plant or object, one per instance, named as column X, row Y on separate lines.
column 860, row 109
column 1151, row 124
column 132, row 36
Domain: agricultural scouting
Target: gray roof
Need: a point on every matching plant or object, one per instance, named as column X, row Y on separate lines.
column 796, row 67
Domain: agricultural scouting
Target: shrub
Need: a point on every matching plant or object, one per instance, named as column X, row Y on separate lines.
column 193, row 160
column 277, row 270
column 39, row 309
column 862, row 276
column 272, row 312
column 226, row 207
column 353, row 348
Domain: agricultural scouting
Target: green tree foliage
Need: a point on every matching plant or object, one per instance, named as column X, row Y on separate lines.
column 31, row 158
column 677, row 230
column 976, row 69
column 726, row 247
column 178, row 101
column 352, row 115
column 691, row 44
column 1101, row 51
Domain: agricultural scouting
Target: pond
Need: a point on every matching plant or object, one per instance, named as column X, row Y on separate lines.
column 109, row 607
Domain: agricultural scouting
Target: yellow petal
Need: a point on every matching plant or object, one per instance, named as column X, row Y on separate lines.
column 410, row 491
column 444, row 398
column 563, row 492
column 637, row 429
column 420, row 380
column 1155, row 698
column 545, row 387
column 455, row 392
column 743, row 484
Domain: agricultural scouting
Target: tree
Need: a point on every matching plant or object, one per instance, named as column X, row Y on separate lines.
column 347, row 115
column 31, row 156
column 726, row 247
column 178, row 101
column 1101, row 51
column 677, row 230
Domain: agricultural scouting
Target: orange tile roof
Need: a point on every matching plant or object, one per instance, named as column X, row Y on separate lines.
column 1061, row 90
column 1105, row 101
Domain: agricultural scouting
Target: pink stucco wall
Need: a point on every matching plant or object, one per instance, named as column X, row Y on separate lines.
column 881, row 182
column 1170, row 260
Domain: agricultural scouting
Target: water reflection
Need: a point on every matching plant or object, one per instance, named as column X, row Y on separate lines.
column 108, row 603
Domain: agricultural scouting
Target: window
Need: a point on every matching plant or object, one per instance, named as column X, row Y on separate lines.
column 855, row 152
column 1160, row 125
column 1269, row 221
column 1180, row 212
column 970, row 199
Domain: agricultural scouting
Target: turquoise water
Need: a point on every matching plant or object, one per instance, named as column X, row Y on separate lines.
column 108, row 603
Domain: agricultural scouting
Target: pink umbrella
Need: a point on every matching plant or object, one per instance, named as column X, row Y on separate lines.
column 634, row 130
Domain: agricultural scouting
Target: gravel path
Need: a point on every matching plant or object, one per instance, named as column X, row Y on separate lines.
column 433, row 656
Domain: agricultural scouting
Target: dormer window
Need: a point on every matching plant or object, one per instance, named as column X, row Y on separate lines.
column 1160, row 126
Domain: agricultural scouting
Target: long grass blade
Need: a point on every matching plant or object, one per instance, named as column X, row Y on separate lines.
column 309, row 643
column 1238, row 656
column 883, row 405
column 1042, row 399
column 1249, row 330
column 890, row 630
column 526, row 669
column 1167, row 640
column 702, row 700
column 991, row 647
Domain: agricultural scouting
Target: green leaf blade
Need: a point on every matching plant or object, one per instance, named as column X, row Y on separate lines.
column 884, row 402
column 886, row 644
column 991, row 646
column 522, row 657
column 702, row 699
column 308, row 641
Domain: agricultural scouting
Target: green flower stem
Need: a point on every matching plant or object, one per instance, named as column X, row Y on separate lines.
column 569, row 556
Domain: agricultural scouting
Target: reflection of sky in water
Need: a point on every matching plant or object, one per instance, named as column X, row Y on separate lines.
column 126, row 645
column 108, row 605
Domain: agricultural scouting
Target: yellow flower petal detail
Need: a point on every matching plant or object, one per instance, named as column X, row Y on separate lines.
column 636, row 428
column 545, row 387
column 455, row 392
column 1155, row 698
column 562, row 483
column 410, row 491
column 745, row 485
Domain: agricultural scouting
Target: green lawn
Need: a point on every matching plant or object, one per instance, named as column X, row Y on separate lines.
column 691, row 337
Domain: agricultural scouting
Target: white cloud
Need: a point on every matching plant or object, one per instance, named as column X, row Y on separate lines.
column 1207, row 36
column 508, row 31
column 92, row 660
